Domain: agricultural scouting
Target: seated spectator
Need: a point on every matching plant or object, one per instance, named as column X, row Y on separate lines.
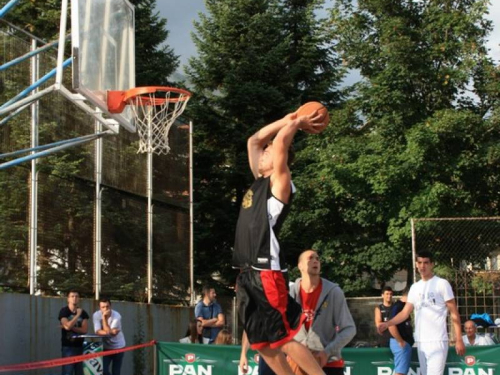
column 223, row 338
column 194, row 334
column 471, row 338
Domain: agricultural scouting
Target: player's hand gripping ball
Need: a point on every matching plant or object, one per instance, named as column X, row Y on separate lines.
column 309, row 108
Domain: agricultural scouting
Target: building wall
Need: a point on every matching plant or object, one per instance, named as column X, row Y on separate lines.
column 30, row 329
column 362, row 312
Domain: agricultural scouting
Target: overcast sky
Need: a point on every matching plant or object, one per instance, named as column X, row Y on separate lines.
column 180, row 15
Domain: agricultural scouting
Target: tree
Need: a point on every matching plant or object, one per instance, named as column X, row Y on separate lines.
column 257, row 60
column 417, row 137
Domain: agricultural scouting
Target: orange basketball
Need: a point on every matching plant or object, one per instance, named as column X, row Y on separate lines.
column 310, row 107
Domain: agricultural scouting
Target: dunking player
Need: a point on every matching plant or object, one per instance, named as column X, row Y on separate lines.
column 271, row 318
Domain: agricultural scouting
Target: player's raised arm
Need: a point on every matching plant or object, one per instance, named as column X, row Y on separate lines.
column 257, row 142
column 281, row 173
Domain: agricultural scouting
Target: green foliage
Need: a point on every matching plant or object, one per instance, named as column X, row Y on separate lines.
column 408, row 141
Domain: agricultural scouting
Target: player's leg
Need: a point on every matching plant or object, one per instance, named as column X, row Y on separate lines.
column 422, row 358
column 276, row 360
column 117, row 363
column 106, row 362
column 303, row 357
column 264, row 368
column 402, row 357
column 436, row 358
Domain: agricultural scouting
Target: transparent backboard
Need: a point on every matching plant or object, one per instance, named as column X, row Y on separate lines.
column 103, row 48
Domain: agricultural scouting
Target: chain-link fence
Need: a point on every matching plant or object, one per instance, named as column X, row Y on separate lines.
column 65, row 185
column 467, row 253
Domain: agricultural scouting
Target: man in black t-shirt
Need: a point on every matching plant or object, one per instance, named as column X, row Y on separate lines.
column 402, row 337
column 74, row 322
column 382, row 314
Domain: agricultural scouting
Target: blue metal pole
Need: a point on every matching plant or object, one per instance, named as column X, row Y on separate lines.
column 26, row 56
column 50, row 151
column 38, row 83
column 13, row 114
column 49, row 145
column 7, row 7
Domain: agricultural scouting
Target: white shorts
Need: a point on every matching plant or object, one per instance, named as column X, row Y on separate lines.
column 432, row 357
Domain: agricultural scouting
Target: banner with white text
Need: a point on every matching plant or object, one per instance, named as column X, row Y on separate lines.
column 197, row 359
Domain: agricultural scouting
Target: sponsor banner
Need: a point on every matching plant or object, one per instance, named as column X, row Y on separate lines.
column 198, row 359
column 92, row 366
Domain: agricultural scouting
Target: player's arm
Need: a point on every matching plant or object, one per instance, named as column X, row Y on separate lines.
column 98, row 328
column 206, row 323
column 106, row 327
column 221, row 320
column 342, row 319
column 68, row 324
column 400, row 318
column 281, row 178
column 257, row 142
column 245, row 345
column 83, row 329
column 378, row 316
column 395, row 333
column 455, row 320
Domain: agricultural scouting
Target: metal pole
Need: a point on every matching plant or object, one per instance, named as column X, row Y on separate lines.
column 98, row 210
column 62, row 43
column 235, row 321
column 413, row 249
column 34, row 176
column 150, row 209
column 191, row 217
column 7, row 7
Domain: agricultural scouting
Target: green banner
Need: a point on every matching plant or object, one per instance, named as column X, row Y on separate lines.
column 197, row 359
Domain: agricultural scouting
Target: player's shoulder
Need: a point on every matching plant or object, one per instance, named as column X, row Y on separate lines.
column 198, row 308
column 97, row 315
column 64, row 312
column 441, row 282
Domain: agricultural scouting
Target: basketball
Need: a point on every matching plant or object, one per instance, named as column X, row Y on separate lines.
column 310, row 107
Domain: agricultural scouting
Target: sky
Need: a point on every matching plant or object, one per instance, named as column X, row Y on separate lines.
column 180, row 15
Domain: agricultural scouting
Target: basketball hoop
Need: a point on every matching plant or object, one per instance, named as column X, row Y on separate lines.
column 155, row 109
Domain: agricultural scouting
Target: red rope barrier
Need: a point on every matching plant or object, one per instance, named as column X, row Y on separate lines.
column 66, row 361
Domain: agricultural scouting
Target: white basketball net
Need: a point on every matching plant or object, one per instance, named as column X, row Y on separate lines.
column 154, row 121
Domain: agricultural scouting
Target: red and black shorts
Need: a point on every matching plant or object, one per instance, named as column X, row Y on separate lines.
column 270, row 316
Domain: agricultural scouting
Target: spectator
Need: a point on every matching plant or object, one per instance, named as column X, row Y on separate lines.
column 382, row 314
column 471, row 338
column 328, row 325
column 224, row 338
column 402, row 338
column 432, row 299
column 108, row 323
column 210, row 314
column 74, row 322
column 194, row 334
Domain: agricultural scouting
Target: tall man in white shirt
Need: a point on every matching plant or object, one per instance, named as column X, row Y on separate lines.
column 431, row 298
column 108, row 322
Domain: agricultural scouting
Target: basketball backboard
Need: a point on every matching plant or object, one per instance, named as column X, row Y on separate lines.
column 103, row 49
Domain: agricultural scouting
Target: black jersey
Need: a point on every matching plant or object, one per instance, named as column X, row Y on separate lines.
column 385, row 311
column 261, row 217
